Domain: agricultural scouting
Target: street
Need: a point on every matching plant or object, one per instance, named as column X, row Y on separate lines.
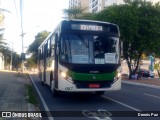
column 129, row 100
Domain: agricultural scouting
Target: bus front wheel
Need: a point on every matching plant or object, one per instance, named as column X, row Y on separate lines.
column 54, row 91
column 99, row 93
column 43, row 83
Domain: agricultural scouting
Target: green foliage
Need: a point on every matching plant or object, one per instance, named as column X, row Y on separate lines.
column 31, row 62
column 39, row 38
column 139, row 22
column 156, row 66
column 73, row 13
column 16, row 60
column 3, row 44
column 33, row 48
column 31, row 96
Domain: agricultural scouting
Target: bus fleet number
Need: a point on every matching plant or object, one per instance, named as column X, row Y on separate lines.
column 69, row 88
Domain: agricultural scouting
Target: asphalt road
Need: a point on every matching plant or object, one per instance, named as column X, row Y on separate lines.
column 125, row 104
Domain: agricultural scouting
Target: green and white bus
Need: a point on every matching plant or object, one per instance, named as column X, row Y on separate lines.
column 81, row 56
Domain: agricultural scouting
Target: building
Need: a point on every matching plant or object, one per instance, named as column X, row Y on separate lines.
column 1, row 61
column 83, row 4
column 93, row 6
column 99, row 5
column 112, row 2
column 96, row 5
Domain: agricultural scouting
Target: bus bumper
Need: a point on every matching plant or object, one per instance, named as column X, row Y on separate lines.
column 64, row 85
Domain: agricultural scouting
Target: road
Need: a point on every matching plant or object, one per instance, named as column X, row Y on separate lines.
column 125, row 104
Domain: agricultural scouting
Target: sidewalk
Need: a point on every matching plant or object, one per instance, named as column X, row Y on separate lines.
column 154, row 82
column 13, row 94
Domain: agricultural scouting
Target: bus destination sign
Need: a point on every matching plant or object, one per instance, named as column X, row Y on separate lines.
column 86, row 27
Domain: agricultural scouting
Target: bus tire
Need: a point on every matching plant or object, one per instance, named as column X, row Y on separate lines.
column 55, row 92
column 99, row 93
column 51, row 78
column 42, row 82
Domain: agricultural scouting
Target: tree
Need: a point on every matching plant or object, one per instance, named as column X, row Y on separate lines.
column 33, row 48
column 139, row 26
column 157, row 67
column 3, row 44
column 16, row 60
column 7, row 55
column 73, row 13
column 31, row 63
column 2, row 17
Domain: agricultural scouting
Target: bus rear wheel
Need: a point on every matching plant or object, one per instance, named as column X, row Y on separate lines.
column 99, row 93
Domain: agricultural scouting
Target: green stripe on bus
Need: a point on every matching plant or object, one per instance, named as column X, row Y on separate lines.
column 92, row 77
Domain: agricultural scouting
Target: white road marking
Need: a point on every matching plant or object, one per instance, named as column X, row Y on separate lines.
column 133, row 108
column 42, row 100
column 98, row 115
column 152, row 95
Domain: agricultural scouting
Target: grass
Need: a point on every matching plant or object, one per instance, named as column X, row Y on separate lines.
column 31, row 96
column 21, row 75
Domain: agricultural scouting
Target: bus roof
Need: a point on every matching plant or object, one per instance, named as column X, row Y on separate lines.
column 93, row 21
column 74, row 20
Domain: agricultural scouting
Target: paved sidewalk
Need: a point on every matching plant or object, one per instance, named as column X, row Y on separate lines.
column 13, row 94
column 152, row 82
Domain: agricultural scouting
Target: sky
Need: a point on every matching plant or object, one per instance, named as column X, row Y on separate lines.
column 38, row 15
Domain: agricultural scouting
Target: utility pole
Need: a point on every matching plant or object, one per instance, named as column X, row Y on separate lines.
column 21, row 15
column 11, row 55
column 22, row 54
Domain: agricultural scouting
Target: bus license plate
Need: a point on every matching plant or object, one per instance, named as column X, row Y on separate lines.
column 94, row 85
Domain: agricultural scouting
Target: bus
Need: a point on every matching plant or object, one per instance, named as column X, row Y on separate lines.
column 81, row 56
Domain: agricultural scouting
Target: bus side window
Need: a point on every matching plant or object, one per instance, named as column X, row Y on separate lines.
column 39, row 55
column 49, row 47
column 52, row 45
column 45, row 50
column 52, row 52
column 42, row 52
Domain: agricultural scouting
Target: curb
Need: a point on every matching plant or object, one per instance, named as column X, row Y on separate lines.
column 142, row 84
column 41, row 99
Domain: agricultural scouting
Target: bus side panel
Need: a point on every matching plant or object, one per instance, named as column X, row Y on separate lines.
column 48, row 70
column 48, row 77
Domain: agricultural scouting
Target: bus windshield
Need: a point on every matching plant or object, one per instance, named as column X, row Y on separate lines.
column 89, row 49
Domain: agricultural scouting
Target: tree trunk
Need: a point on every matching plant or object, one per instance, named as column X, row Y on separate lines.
column 158, row 73
column 129, row 67
column 133, row 70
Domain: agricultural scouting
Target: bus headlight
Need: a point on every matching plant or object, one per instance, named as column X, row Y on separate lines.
column 63, row 74
column 117, row 76
column 66, row 76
